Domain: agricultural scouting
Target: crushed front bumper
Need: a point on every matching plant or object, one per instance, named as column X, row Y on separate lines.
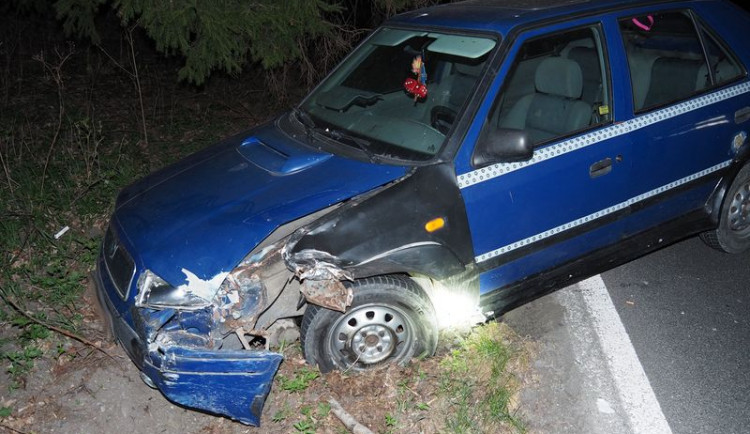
column 232, row 383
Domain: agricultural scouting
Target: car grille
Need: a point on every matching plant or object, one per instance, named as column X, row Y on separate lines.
column 120, row 265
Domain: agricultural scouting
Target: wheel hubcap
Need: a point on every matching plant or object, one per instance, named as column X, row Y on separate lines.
column 370, row 334
column 739, row 209
column 372, row 343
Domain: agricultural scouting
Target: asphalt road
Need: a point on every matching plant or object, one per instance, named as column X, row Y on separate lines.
column 685, row 309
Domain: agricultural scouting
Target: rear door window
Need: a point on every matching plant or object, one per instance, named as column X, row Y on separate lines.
column 667, row 59
column 724, row 64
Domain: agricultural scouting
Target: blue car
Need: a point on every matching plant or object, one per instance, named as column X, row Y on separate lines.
column 463, row 160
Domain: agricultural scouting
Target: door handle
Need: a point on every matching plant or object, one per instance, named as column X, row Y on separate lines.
column 742, row 115
column 600, row 168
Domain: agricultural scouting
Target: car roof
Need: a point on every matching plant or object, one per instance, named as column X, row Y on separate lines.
column 502, row 15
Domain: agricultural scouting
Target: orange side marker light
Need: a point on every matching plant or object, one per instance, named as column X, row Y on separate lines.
column 435, row 224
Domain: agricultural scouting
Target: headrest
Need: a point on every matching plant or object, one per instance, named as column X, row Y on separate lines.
column 578, row 43
column 470, row 70
column 560, row 77
column 586, row 58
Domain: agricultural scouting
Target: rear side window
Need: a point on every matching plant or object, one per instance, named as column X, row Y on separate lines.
column 724, row 64
column 665, row 57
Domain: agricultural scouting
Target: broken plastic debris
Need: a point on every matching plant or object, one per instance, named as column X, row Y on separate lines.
column 204, row 289
column 62, row 232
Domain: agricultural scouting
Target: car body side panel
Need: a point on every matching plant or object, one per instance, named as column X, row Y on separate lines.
column 507, row 272
column 385, row 232
column 655, row 198
column 597, row 261
column 537, row 259
column 679, row 140
column 681, row 147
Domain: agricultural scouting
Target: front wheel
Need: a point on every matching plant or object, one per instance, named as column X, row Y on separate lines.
column 390, row 320
column 733, row 233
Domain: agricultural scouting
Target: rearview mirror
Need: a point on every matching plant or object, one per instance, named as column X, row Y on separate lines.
column 502, row 145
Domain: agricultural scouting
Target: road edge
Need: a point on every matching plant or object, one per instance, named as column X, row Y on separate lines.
column 633, row 387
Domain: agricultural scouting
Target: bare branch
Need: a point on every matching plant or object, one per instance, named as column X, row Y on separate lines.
column 55, row 71
column 59, row 330
column 349, row 422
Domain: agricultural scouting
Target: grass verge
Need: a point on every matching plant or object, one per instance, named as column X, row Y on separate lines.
column 478, row 384
column 470, row 386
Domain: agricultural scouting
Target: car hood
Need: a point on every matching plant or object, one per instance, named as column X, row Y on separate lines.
column 202, row 215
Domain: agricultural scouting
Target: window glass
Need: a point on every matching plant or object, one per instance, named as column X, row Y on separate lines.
column 399, row 94
column 383, row 70
column 557, row 86
column 725, row 66
column 665, row 58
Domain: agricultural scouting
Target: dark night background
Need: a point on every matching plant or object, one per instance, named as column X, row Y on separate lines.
column 79, row 121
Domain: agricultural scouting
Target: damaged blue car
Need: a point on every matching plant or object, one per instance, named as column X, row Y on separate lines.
column 463, row 160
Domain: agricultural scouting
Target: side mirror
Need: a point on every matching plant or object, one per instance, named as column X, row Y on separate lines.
column 502, row 145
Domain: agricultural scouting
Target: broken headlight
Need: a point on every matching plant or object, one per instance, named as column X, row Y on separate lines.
column 155, row 293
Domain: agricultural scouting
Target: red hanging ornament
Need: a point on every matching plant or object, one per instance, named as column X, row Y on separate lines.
column 417, row 86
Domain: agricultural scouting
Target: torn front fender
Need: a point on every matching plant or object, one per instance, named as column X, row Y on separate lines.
column 321, row 278
column 330, row 293
column 230, row 383
column 386, row 232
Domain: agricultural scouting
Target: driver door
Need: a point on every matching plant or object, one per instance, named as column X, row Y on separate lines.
column 528, row 216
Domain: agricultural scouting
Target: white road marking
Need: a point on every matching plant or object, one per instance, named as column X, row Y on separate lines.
column 637, row 396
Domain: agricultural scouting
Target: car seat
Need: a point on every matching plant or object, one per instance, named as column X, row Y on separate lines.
column 555, row 109
column 588, row 60
column 673, row 79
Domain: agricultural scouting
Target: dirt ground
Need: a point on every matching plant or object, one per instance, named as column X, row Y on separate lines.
column 97, row 392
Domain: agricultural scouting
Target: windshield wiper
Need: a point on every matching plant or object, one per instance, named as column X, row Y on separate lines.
column 310, row 129
column 361, row 143
column 307, row 121
column 304, row 117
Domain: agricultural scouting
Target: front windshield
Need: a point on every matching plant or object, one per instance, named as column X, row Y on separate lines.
column 401, row 91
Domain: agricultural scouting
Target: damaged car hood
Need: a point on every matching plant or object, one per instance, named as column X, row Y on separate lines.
column 205, row 213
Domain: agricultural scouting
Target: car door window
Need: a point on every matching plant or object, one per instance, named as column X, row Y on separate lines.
column 665, row 57
column 557, row 86
column 724, row 64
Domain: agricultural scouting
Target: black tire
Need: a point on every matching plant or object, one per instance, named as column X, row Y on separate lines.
column 389, row 321
column 733, row 233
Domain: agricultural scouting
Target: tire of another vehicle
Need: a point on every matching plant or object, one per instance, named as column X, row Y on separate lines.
column 733, row 233
column 390, row 320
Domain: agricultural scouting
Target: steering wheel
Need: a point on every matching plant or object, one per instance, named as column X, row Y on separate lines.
column 442, row 118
